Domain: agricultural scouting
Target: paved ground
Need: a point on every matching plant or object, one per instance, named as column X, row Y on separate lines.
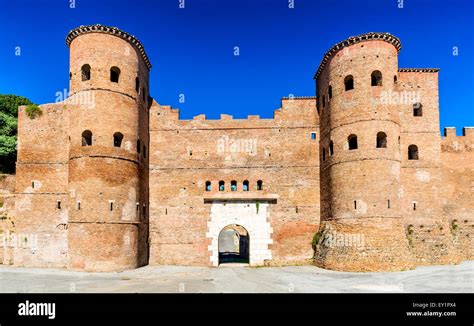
column 458, row 278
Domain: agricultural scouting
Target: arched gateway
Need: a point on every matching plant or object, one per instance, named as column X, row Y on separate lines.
column 239, row 231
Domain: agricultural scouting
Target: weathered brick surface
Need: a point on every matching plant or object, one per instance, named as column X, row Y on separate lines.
column 104, row 208
column 457, row 155
column 187, row 153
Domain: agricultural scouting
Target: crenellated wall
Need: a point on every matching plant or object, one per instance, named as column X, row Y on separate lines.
column 457, row 157
column 187, row 153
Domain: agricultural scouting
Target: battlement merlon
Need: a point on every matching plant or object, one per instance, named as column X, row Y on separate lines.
column 295, row 111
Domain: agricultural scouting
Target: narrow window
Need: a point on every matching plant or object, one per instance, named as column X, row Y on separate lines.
column 59, row 204
column 381, row 140
column 331, row 148
column 208, row 185
column 139, row 146
column 245, row 185
column 259, row 185
column 137, row 84
column 352, row 142
column 138, row 207
column 114, row 74
column 32, row 184
column 86, row 138
column 417, row 110
column 70, row 76
column 118, row 139
column 395, row 79
column 349, row 83
column 376, row 78
column 355, row 204
column 413, row 152
column 86, row 72
column 78, row 205
column 221, row 185
column 233, row 185
column 313, row 135
column 330, row 92
column 388, row 203
column 111, row 206
column 324, row 154
column 414, row 206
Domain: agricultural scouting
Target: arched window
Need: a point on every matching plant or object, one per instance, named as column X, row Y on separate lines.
column 221, row 185
column 233, row 185
column 245, row 185
column 417, row 109
column 349, row 83
column 114, row 74
column 208, row 185
column 137, row 84
column 381, row 140
column 330, row 92
column 352, row 142
column 324, row 154
column 376, row 78
column 118, row 139
column 70, row 75
column 139, row 146
column 395, row 79
column 86, row 72
column 331, row 148
column 86, row 138
column 412, row 152
column 259, row 185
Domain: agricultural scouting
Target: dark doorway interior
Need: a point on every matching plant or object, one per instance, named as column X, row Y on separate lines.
column 234, row 245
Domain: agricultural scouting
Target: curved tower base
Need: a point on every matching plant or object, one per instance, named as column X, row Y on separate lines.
column 103, row 247
column 363, row 245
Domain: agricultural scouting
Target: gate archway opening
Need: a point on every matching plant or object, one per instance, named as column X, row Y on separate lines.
column 234, row 245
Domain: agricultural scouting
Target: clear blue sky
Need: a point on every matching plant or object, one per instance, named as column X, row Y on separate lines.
column 191, row 49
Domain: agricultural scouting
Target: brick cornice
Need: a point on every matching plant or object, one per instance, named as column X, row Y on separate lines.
column 373, row 36
column 98, row 28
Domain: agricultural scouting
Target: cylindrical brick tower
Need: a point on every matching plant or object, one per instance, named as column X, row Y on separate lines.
column 361, row 225
column 108, row 164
